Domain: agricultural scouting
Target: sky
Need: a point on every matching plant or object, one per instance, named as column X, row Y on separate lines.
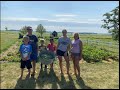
column 75, row 16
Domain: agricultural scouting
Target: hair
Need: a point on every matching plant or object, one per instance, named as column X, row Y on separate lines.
column 51, row 39
column 25, row 37
column 42, row 40
column 29, row 28
column 76, row 34
column 64, row 30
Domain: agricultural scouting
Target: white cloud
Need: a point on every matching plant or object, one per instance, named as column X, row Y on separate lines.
column 65, row 15
column 69, row 20
column 21, row 19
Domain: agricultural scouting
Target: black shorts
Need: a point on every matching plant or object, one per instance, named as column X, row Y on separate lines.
column 61, row 53
column 26, row 63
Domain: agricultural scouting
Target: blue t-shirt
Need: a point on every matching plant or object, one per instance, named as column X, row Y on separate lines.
column 25, row 50
column 33, row 42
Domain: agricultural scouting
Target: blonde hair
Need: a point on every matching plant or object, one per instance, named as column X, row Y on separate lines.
column 25, row 37
column 76, row 34
column 42, row 40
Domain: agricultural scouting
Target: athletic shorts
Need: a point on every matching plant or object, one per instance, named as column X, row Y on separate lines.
column 34, row 56
column 76, row 54
column 61, row 53
column 26, row 64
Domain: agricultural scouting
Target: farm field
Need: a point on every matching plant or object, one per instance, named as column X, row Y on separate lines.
column 94, row 75
column 7, row 39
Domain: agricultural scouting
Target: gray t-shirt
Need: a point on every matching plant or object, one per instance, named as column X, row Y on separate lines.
column 63, row 43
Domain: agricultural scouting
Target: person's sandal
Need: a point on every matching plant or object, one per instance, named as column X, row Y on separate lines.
column 32, row 75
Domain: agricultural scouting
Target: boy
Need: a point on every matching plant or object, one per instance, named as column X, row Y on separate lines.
column 25, row 51
column 33, row 41
column 42, row 47
column 51, row 47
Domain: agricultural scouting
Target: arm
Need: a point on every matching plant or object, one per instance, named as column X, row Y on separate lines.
column 58, row 44
column 22, row 56
column 37, row 47
column 81, row 48
column 29, row 53
column 45, row 47
column 69, row 46
column 55, row 49
column 48, row 47
column 36, row 41
column 21, row 52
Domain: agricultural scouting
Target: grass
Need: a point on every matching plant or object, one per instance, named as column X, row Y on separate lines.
column 7, row 39
column 93, row 76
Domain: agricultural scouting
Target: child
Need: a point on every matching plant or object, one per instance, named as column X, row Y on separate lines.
column 42, row 47
column 51, row 47
column 25, row 51
column 76, row 53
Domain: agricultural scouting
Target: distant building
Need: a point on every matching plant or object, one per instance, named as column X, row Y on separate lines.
column 54, row 34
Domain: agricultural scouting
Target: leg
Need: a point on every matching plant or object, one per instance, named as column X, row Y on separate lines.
column 51, row 65
column 29, row 72
column 23, row 63
column 29, row 66
column 41, row 65
column 46, row 66
column 77, row 65
column 67, row 63
column 34, row 64
column 74, row 65
column 21, row 73
column 60, row 63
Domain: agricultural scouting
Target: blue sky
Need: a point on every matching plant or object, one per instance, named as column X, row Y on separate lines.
column 75, row 16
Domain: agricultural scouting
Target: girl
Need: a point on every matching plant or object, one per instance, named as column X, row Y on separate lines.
column 63, row 47
column 51, row 47
column 41, row 48
column 76, row 53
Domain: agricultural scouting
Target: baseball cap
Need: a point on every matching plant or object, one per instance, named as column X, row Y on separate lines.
column 29, row 28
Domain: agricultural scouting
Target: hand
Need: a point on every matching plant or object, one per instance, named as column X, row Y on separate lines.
column 23, row 59
column 71, row 55
column 26, row 58
column 65, row 54
column 80, row 57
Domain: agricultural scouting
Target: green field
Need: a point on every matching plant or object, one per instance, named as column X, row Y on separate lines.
column 7, row 39
column 100, row 75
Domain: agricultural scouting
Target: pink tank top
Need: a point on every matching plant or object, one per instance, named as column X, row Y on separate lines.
column 75, row 46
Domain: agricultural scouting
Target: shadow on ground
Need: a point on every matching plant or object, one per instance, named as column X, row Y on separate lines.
column 27, row 83
column 51, row 81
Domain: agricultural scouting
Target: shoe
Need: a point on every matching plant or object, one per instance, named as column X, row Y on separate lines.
column 32, row 74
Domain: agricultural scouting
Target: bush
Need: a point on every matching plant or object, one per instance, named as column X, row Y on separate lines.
column 93, row 54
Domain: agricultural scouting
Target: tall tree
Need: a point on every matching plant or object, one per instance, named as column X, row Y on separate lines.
column 6, row 28
column 23, row 30
column 40, row 29
column 111, row 23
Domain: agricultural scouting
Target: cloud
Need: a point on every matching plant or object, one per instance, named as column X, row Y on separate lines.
column 65, row 15
column 64, row 20
column 21, row 19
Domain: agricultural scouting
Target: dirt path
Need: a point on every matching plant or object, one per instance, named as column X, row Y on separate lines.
column 11, row 49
